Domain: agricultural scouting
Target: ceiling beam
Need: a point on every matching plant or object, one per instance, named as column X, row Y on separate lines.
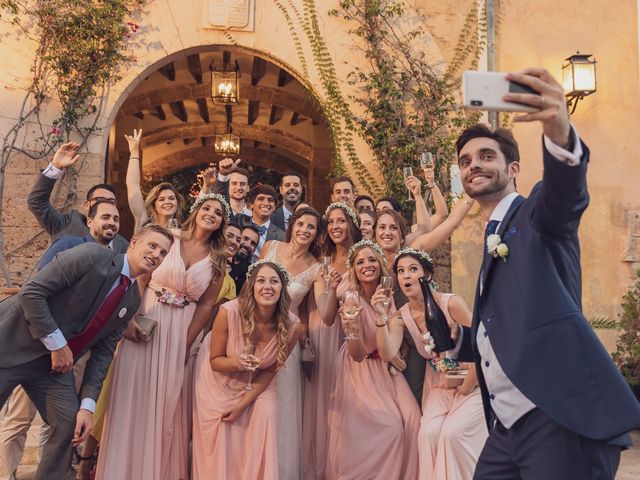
column 258, row 69
column 158, row 112
column 284, row 78
column 276, row 115
column 168, row 71
column 139, row 115
column 253, row 112
column 179, row 110
column 203, row 108
column 296, row 119
column 195, row 67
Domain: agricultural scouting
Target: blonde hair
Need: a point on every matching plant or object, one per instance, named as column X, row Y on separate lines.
column 152, row 197
column 247, row 304
column 216, row 239
column 384, row 271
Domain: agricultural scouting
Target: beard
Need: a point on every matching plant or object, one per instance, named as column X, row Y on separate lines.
column 495, row 182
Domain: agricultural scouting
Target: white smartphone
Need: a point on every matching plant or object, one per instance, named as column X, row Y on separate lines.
column 484, row 91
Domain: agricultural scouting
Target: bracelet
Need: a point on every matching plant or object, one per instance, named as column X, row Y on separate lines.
column 134, row 158
column 381, row 325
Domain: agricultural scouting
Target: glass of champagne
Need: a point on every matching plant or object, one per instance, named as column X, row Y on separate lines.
column 325, row 268
column 351, row 309
column 406, row 173
column 248, row 354
column 387, row 289
column 426, row 160
column 174, row 226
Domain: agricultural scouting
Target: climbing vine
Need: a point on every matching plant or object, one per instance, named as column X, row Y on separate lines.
column 80, row 48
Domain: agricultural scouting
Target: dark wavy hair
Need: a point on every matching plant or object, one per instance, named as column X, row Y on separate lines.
column 426, row 265
column 328, row 247
column 314, row 248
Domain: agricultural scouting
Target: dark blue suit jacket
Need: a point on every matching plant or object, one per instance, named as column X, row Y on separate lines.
column 60, row 245
column 531, row 308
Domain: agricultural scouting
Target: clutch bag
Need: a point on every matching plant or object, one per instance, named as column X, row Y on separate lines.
column 147, row 326
column 307, row 357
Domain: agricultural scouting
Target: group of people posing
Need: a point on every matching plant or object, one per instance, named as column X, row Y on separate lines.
column 256, row 341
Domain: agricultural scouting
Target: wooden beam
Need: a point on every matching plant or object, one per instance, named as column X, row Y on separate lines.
column 194, row 66
column 187, row 141
column 253, row 112
column 203, row 141
column 258, row 70
column 168, row 71
column 158, row 112
column 256, row 144
column 203, row 108
column 276, row 115
column 139, row 115
column 229, row 112
column 179, row 110
column 284, row 78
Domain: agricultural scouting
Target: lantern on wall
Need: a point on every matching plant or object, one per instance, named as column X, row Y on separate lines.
column 578, row 78
column 225, row 84
column 227, row 143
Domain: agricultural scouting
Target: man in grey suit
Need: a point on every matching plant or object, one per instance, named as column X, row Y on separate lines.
column 291, row 191
column 72, row 223
column 81, row 301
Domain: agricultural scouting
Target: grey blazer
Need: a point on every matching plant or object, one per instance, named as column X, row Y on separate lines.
column 66, row 294
column 58, row 224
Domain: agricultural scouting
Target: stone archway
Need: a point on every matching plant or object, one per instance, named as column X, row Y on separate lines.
column 279, row 121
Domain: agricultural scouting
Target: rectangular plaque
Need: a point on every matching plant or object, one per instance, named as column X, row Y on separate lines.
column 232, row 14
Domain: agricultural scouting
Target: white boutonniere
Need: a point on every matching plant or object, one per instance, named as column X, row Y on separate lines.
column 496, row 247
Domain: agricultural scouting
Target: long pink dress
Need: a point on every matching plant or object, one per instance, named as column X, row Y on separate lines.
column 325, row 342
column 146, row 426
column 452, row 428
column 373, row 418
column 246, row 449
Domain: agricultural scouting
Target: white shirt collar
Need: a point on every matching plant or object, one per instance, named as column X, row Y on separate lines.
column 503, row 207
column 286, row 211
column 126, row 270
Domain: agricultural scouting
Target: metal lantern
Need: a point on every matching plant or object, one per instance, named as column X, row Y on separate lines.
column 225, row 85
column 578, row 78
column 227, row 143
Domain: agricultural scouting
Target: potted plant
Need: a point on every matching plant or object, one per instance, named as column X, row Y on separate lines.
column 627, row 354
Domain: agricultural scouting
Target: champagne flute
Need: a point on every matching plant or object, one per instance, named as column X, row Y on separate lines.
column 387, row 289
column 426, row 160
column 351, row 309
column 406, row 173
column 174, row 226
column 248, row 354
column 326, row 265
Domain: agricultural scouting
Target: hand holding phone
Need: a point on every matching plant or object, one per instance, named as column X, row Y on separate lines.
column 486, row 91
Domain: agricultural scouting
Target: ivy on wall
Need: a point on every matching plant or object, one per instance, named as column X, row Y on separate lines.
column 80, row 49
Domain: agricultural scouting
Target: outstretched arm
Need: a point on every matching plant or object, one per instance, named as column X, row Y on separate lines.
column 432, row 240
column 134, row 193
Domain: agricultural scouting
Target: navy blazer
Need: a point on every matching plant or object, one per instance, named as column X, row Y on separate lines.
column 531, row 307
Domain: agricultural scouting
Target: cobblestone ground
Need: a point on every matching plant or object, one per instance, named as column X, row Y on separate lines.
column 629, row 465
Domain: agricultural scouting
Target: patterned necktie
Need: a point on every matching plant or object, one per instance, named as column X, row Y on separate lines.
column 78, row 343
column 262, row 229
column 492, row 227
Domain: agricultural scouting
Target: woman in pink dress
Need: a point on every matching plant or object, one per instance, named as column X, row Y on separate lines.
column 146, row 427
column 373, row 418
column 235, row 407
column 325, row 337
column 452, row 429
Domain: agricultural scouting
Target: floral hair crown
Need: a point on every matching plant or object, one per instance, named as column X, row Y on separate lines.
column 361, row 244
column 278, row 266
column 200, row 199
column 412, row 251
column 345, row 208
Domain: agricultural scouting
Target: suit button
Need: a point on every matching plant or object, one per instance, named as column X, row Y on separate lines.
column 486, row 334
column 488, row 320
column 486, row 364
column 492, row 396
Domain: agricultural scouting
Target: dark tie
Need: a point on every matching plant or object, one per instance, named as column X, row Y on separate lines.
column 78, row 343
column 262, row 229
column 492, row 227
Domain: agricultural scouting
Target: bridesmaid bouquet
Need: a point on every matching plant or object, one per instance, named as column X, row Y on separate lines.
column 173, row 299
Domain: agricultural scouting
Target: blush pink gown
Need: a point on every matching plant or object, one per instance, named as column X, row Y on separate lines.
column 452, row 428
column 373, row 417
column 146, row 428
column 246, row 449
column 325, row 342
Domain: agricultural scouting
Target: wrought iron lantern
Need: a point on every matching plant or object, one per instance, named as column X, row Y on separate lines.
column 225, row 84
column 227, row 143
column 578, row 78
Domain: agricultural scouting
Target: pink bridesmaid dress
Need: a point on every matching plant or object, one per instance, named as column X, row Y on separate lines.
column 373, row 417
column 452, row 428
column 325, row 342
column 146, row 426
column 246, row 449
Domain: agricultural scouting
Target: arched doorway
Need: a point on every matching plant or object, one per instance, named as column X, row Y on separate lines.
column 280, row 123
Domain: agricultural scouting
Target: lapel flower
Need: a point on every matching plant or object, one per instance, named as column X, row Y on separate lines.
column 496, row 247
column 430, row 344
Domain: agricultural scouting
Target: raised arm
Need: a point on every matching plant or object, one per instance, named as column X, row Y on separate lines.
column 134, row 193
column 432, row 240
column 39, row 200
column 441, row 207
column 388, row 335
column 423, row 217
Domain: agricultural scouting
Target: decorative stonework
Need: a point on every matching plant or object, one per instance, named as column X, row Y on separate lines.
column 231, row 14
column 632, row 240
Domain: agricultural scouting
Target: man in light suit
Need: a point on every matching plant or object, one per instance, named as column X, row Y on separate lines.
column 72, row 223
column 291, row 191
column 556, row 406
column 81, row 301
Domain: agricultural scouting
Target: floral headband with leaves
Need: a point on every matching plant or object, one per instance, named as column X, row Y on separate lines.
column 361, row 244
column 345, row 208
column 200, row 199
column 278, row 266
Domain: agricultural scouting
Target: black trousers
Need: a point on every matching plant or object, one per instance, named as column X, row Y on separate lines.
column 55, row 397
column 538, row 448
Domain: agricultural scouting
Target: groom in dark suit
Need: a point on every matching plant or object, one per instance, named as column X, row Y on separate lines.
column 556, row 406
column 81, row 301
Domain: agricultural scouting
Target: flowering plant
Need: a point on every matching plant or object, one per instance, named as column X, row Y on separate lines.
column 174, row 299
column 496, row 247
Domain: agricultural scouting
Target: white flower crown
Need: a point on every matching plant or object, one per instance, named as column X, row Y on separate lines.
column 345, row 208
column 200, row 199
column 420, row 253
column 365, row 243
column 281, row 268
